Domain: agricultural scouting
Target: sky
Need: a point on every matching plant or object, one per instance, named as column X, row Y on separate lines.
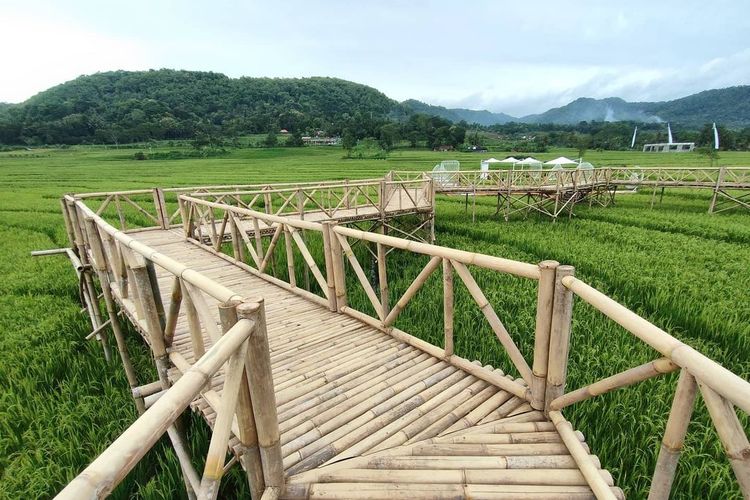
column 504, row 56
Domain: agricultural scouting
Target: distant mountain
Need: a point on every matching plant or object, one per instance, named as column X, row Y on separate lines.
column 611, row 109
column 729, row 106
column 482, row 117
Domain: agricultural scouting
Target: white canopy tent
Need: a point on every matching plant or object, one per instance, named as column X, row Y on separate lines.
column 510, row 159
column 531, row 163
column 562, row 160
column 484, row 166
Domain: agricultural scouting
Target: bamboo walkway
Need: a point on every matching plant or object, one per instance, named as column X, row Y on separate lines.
column 315, row 398
column 363, row 415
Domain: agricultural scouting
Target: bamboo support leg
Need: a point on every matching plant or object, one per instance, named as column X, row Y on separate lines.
column 98, row 252
column 674, row 434
column 732, row 435
column 263, row 397
column 248, row 434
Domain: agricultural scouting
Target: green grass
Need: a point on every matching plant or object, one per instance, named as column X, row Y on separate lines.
column 60, row 405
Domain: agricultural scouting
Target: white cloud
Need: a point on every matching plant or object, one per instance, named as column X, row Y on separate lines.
column 41, row 52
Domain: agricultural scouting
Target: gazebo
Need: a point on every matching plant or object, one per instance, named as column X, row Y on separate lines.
column 557, row 163
column 484, row 166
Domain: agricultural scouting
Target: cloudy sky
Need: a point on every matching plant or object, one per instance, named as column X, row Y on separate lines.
column 509, row 56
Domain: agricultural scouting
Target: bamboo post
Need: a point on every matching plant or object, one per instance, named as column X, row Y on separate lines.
column 185, row 214
column 731, row 433
column 194, row 325
column 544, row 304
column 148, row 292
column 717, row 189
column 153, row 325
column 289, row 257
column 174, row 311
column 262, row 395
column 258, row 238
column 100, row 266
column 89, row 291
column 674, row 434
column 383, row 277
column 237, row 248
column 339, row 270
column 162, row 215
column 330, row 277
column 448, row 306
column 68, row 226
column 248, row 434
column 559, row 341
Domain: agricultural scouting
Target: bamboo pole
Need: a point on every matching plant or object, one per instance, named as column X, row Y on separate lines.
column 383, row 276
column 544, row 303
column 247, row 432
column 726, row 383
column 581, row 456
column 412, row 290
column 174, row 311
column 559, row 341
column 361, row 276
column 289, row 257
column 271, row 247
column 497, row 326
column 329, row 262
column 339, row 271
column 448, row 307
column 487, row 261
column 217, row 450
column 674, row 435
column 106, row 472
column 194, row 325
column 623, row 379
column 89, row 291
column 100, row 267
column 263, row 397
column 731, row 433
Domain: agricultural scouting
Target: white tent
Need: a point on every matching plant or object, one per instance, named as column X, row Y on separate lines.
column 530, row 161
column 510, row 159
column 484, row 166
column 561, row 161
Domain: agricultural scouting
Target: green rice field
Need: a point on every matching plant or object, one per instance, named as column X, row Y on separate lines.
column 684, row 270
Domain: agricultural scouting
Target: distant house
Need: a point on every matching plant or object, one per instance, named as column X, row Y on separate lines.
column 283, row 131
column 443, row 147
column 669, row 147
column 321, row 141
column 474, row 148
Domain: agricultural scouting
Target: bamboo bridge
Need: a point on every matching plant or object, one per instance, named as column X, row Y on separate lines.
column 556, row 192
column 243, row 295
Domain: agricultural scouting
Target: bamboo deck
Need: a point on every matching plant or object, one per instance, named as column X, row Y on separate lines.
column 363, row 415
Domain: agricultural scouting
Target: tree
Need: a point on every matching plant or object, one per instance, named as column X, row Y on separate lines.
column 295, row 140
column 583, row 143
column 270, row 141
column 348, row 141
column 710, row 153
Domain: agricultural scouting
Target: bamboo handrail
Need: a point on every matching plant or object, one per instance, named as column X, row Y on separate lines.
column 112, row 465
column 217, row 291
column 718, row 378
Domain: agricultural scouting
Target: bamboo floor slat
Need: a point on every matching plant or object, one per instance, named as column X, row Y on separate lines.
column 363, row 415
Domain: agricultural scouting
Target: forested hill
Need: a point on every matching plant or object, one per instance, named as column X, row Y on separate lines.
column 125, row 106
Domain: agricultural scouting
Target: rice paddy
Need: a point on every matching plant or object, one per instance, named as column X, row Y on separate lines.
column 686, row 271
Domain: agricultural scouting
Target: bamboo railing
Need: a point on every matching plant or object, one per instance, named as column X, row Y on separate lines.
column 544, row 380
column 126, row 270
